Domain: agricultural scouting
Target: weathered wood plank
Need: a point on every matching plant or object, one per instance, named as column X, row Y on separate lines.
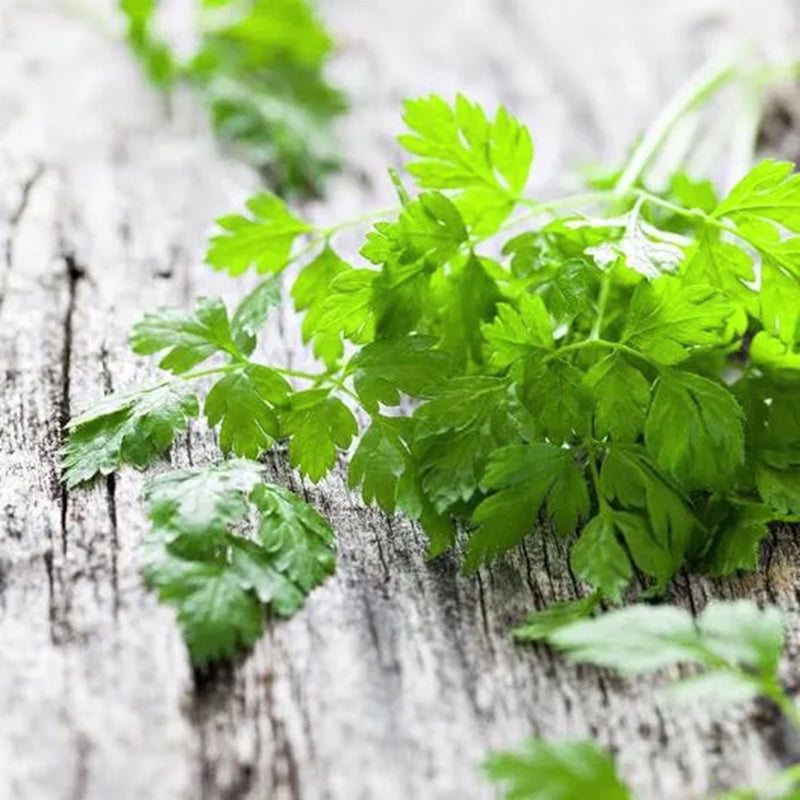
column 399, row 675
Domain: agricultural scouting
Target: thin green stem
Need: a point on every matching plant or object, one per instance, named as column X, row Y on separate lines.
column 704, row 83
column 601, row 500
column 204, row 373
column 330, row 230
column 602, row 302
column 584, row 343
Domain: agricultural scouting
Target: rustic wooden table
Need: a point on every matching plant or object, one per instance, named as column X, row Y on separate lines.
column 399, row 675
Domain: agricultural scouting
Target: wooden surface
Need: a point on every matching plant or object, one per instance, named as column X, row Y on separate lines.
column 399, row 675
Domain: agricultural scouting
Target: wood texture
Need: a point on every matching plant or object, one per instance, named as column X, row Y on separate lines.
column 399, row 675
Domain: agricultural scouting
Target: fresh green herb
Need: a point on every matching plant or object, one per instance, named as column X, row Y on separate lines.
column 259, row 67
column 630, row 374
column 208, row 557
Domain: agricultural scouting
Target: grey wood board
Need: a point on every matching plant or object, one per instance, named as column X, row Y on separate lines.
column 399, row 675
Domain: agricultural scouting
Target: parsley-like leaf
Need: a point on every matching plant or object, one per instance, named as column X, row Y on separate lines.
column 261, row 241
column 133, row 428
column 203, row 558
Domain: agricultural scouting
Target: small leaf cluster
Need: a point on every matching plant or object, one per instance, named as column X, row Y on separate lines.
column 217, row 573
column 736, row 647
column 259, row 68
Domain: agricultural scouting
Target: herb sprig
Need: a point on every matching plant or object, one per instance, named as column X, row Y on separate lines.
column 259, row 67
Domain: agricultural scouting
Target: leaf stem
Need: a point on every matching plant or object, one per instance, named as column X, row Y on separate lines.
column 602, row 302
column 584, row 343
column 700, row 86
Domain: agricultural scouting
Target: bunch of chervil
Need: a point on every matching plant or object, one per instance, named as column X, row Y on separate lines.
column 631, row 376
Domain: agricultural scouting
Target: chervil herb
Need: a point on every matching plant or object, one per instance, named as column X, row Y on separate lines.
column 259, row 67
column 619, row 364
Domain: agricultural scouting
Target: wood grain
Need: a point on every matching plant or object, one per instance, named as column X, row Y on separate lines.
column 399, row 675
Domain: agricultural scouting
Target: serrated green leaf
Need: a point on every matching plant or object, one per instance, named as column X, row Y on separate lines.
column 460, row 148
column 216, row 613
column 205, row 556
column 468, row 298
column 522, row 478
column 347, row 309
column 557, row 771
column 555, row 394
column 191, row 337
column 694, row 430
column 669, row 322
column 736, row 538
column 252, row 312
column 316, row 425
column 455, row 433
column 538, row 625
column 132, row 428
column 652, row 516
column 598, row 558
column 379, row 462
column 646, row 638
column 622, row 395
column 262, row 240
column 430, row 228
column 516, row 333
column 243, row 402
column 384, row 369
column 308, row 292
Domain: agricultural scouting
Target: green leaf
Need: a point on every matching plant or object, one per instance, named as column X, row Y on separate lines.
column 623, row 396
column 645, row 638
column 522, row 478
column 516, row 333
column 460, row 148
column 727, row 635
column 205, row 557
column 736, row 537
column 429, row 228
column 379, row 462
column 384, row 369
column 539, row 625
column 191, row 337
column 557, row 771
column 244, row 403
column 555, row 394
column 598, row 558
column 154, row 55
column 347, row 309
column 716, row 690
column 455, row 433
column 261, row 241
column 669, row 322
column 741, row 633
column 770, row 192
column 252, row 312
column 653, row 517
column 201, row 504
column 217, row 615
column 133, row 428
column 309, row 292
column 317, row 424
column 469, row 297
column 779, row 488
column 694, row 430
